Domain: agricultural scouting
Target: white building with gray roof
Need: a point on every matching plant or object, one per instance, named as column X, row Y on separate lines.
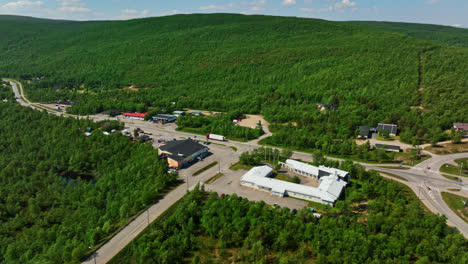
column 329, row 190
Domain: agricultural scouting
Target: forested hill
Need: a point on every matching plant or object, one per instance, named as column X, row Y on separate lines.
column 278, row 66
column 441, row 34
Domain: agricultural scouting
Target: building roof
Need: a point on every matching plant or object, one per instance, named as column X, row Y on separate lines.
column 317, row 171
column 463, row 126
column 141, row 115
column 391, row 128
column 303, row 166
column 164, row 116
column 180, row 149
column 383, row 146
column 329, row 189
column 364, row 130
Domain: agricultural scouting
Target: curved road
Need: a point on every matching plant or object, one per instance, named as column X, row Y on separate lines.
column 418, row 179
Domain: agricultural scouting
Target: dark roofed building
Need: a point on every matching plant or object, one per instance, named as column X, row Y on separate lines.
column 388, row 147
column 390, row 128
column 182, row 152
column 460, row 126
column 161, row 118
column 364, row 132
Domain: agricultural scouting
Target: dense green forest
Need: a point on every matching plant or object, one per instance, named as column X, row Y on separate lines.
column 61, row 192
column 379, row 221
column 441, row 34
column 280, row 67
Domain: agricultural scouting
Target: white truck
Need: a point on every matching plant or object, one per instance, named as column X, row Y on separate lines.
column 215, row 137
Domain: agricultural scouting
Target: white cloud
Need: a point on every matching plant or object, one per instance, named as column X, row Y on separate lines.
column 73, row 6
column 288, row 2
column 21, row 5
column 306, row 10
column 256, row 9
column 340, row 6
column 257, row 6
column 217, row 7
column 132, row 13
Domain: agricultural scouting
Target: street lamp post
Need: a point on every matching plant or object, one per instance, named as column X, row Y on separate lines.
column 94, row 254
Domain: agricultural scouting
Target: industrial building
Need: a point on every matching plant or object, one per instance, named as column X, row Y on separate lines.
column 163, row 119
column 180, row 153
column 329, row 190
column 137, row 116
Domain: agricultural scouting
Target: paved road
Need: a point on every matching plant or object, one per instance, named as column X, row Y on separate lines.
column 419, row 177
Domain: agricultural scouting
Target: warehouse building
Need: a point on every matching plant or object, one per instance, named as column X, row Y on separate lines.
column 181, row 153
column 329, row 190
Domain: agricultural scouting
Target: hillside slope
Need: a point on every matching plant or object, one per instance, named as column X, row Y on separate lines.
column 441, row 34
column 278, row 66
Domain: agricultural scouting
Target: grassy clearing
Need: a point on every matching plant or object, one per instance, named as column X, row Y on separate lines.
column 239, row 166
column 233, row 148
column 458, row 204
column 449, row 148
column 283, row 177
column 455, row 170
column 406, row 158
column 207, row 167
column 214, row 178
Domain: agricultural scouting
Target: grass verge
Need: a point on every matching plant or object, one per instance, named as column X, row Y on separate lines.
column 239, row 166
column 458, row 204
column 214, row 178
column 450, row 177
column 207, row 167
column 393, row 175
column 451, row 169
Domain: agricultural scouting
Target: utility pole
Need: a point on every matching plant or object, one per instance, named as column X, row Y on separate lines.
column 187, row 182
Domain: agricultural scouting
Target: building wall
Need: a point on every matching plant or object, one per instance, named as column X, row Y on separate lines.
column 173, row 163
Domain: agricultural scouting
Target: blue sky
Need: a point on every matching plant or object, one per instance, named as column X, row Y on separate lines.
column 444, row 12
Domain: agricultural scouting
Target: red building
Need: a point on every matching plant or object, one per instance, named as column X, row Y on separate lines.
column 138, row 116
